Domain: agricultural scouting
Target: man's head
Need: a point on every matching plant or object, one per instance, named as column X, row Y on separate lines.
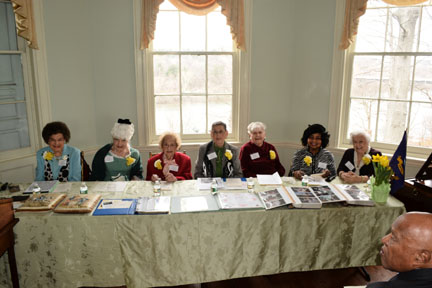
column 409, row 244
column 219, row 133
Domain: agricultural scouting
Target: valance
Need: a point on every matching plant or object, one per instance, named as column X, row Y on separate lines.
column 353, row 10
column 232, row 9
column 24, row 20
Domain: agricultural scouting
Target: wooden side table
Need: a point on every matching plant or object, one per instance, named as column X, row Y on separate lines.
column 7, row 222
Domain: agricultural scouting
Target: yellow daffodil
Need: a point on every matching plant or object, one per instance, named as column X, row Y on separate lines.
column 228, row 154
column 384, row 161
column 130, row 161
column 272, row 155
column 308, row 160
column 376, row 158
column 366, row 159
column 47, row 155
column 158, row 164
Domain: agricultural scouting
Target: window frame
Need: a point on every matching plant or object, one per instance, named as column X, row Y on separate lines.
column 340, row 95
column 145, row 98
column 37, row 98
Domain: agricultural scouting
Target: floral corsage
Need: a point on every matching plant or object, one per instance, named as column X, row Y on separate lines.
column 272, row 155
column 130, row 160
column 366, row 159
column 228, row 154
column 308, row 160
column 158, row 164
column 47, row 155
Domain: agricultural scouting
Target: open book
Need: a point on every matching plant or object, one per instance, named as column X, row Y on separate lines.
column 274, row 198
column 303, row 197
column 153, row 205
column 239, row 201
column 354, row 195
column 327, row 194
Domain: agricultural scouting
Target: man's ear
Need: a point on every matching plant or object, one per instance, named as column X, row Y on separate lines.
column 423, row 257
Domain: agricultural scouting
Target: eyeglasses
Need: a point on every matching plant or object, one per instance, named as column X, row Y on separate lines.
column 218, row 131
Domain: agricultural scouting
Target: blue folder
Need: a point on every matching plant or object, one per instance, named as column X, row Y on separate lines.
column 114, row 211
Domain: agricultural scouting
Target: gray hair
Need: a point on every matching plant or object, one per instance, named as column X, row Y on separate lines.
column 254, row 125
column 359, row 133
column 219, row 123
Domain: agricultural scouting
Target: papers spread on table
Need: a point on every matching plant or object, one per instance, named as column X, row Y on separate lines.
column 45, row 186
column 354, row 195
column 235, row 184
column 153, row 205
column 110, row 186
column 303, row 197
column 273, row 179
column 205, row 183
column 115, row 207
column 63, row 187
column 316, row 180
column 275, row 198
column 239, row 201
column 203, row 203
column 166, row 186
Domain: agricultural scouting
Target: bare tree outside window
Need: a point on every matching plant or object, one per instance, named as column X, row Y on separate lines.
column 391, row 82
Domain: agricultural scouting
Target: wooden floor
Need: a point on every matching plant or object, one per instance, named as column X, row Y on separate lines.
column 337, row 278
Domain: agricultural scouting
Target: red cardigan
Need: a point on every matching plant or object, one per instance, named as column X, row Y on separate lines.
column 182, row 160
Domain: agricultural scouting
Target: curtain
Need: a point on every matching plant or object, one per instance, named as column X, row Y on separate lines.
column 403, row 2
column 24, row 20
column 353, row 10
column 232, row 9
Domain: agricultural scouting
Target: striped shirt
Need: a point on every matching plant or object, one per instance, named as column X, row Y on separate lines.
column 324, row 159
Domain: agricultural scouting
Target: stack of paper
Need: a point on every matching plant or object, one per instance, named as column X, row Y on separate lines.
column 273, row 179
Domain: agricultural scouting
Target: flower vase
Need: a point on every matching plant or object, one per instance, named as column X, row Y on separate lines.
column 380, row 192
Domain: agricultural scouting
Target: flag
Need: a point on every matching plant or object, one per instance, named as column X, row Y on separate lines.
column 397, row 163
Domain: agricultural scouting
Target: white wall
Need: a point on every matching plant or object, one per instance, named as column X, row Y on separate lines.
column 91, row 69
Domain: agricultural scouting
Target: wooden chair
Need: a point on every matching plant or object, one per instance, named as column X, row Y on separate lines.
column 7, row 241
column 85, row 168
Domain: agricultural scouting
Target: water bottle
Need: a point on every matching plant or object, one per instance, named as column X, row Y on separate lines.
column 305, row 180
column 250, row 184
column 214, row 187
column 36, row 189
column 157, row 188
column 83, row 188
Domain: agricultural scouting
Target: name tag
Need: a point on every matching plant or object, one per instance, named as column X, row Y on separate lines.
column 255, row 156
column 173, row 168
column 349, row 165
column 211, row 155
column 62, row 162
column 322, row 165
column 109, row 158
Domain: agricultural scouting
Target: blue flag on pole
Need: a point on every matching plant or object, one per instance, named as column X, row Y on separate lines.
column 397, row 163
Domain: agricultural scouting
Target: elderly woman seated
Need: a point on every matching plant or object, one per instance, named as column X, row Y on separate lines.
column 118, row 161
column 169, row 165
column 313, row 158
column 356, row 165
column 57, row 161
column 258, row 156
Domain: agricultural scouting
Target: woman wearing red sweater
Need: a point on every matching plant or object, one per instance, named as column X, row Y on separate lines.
column 169, row 165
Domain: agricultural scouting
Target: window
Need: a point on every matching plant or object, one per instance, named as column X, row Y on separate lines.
column 192, row 69
column 14, row 123
column 388, row 73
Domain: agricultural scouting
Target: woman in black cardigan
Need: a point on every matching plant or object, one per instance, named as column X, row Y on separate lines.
column 356, row 164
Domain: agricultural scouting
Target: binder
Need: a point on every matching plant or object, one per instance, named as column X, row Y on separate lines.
column 115, row 207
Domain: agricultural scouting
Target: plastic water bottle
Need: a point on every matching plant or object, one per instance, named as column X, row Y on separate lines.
column 250, row 184
column 83, row 188
column 157, row 188
column 305, row 180
column 36, row 189
column 214, row 187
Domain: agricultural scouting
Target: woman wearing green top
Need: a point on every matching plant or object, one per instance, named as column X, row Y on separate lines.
column 118, row 161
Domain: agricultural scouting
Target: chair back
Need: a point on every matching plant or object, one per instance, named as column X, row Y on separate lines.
column 85, row 168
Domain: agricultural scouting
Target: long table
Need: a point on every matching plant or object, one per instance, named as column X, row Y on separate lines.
column 58, row 250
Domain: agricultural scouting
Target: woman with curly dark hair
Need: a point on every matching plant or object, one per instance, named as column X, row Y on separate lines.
column 57, row 161
column 313, row 158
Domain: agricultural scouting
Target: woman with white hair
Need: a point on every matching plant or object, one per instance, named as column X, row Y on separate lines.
column 118, row 161
column 356, row 164
column 258, row 156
